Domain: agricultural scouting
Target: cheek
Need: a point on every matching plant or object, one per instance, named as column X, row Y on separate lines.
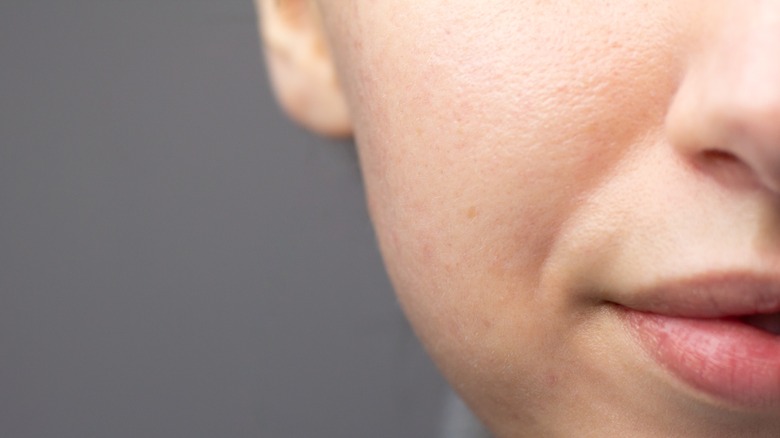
column 481, row 128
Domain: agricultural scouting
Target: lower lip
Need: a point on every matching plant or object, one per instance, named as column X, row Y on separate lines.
column 724, row 358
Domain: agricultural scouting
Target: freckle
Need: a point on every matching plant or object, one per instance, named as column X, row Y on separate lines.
column 319, row 49
column 472, row 212
column 427, row 252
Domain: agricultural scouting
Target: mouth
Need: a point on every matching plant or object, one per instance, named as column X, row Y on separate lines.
column 769, row 323
column 719, row 334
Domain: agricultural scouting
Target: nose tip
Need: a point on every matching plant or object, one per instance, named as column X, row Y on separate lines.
column 709, row 125
column 728, row 104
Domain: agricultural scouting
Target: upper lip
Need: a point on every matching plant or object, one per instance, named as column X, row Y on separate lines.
column 711, row 295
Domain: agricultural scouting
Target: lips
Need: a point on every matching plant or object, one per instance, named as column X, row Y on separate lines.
column 717, row 333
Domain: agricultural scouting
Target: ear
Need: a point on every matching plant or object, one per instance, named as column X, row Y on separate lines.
column 301, row 68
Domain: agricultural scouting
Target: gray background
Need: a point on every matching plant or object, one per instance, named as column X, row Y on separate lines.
column 176, row 258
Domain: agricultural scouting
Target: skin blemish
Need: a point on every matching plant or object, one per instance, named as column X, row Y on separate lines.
column 472, row 212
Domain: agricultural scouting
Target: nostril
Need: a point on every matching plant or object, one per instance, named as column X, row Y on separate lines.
column 719, row 157
column 726, row 168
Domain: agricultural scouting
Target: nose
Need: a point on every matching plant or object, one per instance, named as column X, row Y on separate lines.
column 728, row 103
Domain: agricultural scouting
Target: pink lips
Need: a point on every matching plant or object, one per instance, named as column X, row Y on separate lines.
column 693, row 329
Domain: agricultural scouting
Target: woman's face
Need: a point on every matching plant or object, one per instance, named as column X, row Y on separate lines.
column 577, row 203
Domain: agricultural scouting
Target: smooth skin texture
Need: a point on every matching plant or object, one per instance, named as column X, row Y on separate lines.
column 528, row 164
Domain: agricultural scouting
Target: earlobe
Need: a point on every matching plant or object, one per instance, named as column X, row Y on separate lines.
column 301, row 67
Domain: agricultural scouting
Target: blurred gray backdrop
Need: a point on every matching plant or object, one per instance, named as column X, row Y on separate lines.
column 176, row 258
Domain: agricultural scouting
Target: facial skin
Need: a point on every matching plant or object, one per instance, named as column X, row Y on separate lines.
column 534, row 167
